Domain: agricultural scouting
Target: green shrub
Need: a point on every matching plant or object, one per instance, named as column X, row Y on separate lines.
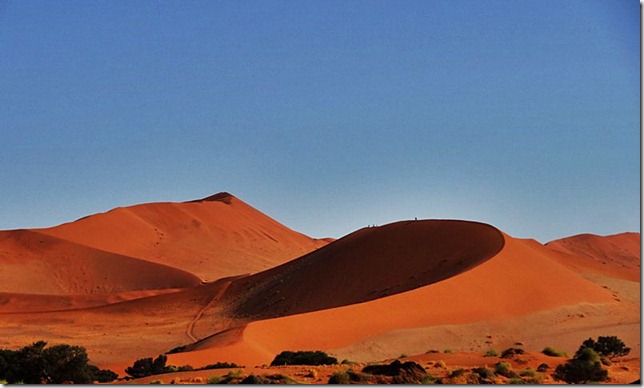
column 504, row 369
column 516, row 380
column 484, row 372
column 491, row 353
column 429, row 379
column 457, row 372
column 584, row 368
column 447, row 351
column 527, row 373
column 548, row 351
column 213, row 380
column 303, row 358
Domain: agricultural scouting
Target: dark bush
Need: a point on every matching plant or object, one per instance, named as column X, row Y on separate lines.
column 585, row 367
column 511, row 352
column 543, row 367
column 221, row 365
column 303, row 358
column 178, row 349
column 148, row 367
column 610, row 347
column 548, row 351
column 35, row 364
column 268, row 379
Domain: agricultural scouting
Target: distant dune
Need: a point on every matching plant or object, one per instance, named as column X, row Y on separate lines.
column 212, row 238
column 35, row 263
column 617, row 254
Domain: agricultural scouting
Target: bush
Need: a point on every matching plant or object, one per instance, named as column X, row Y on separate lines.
column 303, row 358
column 511, row 352
column 584, row 368
column 340, row 377
column 36, row 363
column 221, row 365
column 213, row 380
column 543, row 367
column 491, row 353
column 527, row 372
column 504, row 369
column 516, row 380
column 148, row 367
column 609, row 347
column 484, row 372
column 548, row 351
column 269, row 379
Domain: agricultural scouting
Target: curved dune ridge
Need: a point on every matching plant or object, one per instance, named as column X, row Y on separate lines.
column 521, row 279
column 365, row 265
column 214, row 237
column 34, row 263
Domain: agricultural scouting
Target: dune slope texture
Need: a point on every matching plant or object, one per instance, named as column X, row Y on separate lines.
column 215, row 237
column 365, row 265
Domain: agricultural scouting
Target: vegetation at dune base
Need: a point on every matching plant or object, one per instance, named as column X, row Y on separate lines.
column 148, row 366
column 548, row 351
column 586, row 365
column 303, row 358
column 37, row 363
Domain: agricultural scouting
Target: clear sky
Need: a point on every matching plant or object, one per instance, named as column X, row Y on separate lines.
column 326, row 115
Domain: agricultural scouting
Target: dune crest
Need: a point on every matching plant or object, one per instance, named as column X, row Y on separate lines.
column 214, row 237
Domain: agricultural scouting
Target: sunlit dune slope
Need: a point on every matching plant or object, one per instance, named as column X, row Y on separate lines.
column 34, row 263
column 521, row 279
column 615, row 255
column 365, row 265
column 212, row 238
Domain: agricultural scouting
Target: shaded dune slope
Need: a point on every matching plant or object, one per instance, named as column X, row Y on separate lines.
column 34, row 263
column 365, row 265
column 615, row 255
column 521, row 279
column 215, row 237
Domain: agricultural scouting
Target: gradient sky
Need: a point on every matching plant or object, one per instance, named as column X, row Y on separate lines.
column 326, row 115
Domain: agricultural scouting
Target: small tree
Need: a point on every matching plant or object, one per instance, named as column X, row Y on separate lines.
column 609, row 347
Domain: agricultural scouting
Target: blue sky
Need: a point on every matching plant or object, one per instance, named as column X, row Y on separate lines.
column 326, row 115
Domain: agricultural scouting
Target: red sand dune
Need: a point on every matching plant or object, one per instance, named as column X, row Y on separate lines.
column 615, row 255
column 521, row 279
column 212, row 238
column 34, row 263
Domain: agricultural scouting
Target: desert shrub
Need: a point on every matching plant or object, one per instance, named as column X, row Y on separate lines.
column 447, row 351
column 303, row 358
column 213, row 380
column 148, row 367
column 102, row 375
column 232, row 377
column 609, row 347
column 220, row 365
column 348, row 362
column 37, row 363
column 178, row 349
column 457, row 372
column 156, row 382
column 511, row 352
column 340, row 377
column 529, row 372
column 440, row 364
column 584, row 368
column 548, row 351
column 543, row 367
column 429, row 379
column 516, row 380
column 504, row 369
column 491, row 353
column 484, row 372
column 185, row 368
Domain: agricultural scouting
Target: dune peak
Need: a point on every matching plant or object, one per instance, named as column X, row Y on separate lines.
column 223, row 196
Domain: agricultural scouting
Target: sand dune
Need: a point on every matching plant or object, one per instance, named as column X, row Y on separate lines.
column 212, row 238
column 34, row 263
column 616, row 255
column 365, row 265
column 521, row 279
